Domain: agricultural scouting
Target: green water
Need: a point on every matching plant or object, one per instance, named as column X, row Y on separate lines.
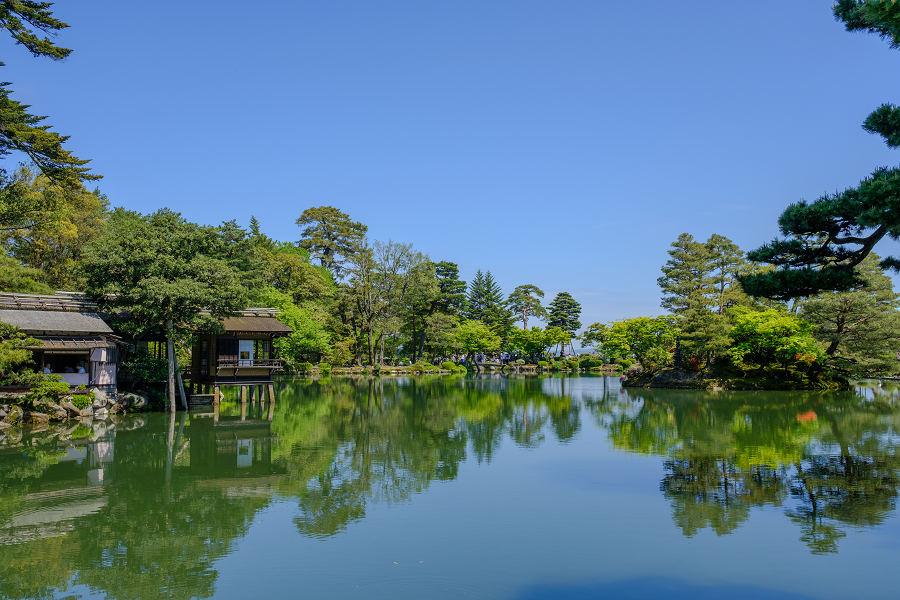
column 465, row 488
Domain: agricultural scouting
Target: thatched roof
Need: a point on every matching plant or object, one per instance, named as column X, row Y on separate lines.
column 48, row 322
column 254, row 324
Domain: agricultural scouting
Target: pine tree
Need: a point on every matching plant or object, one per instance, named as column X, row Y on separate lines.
column 564, row 312
column 485, row 303
column 20, row 130
column 525, row 301
column 330, row 236
column 825, row 240
column 452, row 300
column 687, row 279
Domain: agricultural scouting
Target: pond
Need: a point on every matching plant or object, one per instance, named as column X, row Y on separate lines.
column 518, row 488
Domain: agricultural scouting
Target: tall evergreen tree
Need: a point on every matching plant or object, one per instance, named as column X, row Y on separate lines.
column 825, row 240
column 862, row 325
column 525, row 302
column 330, row 236
column 452, row 300
column 485, row 303
column 687, row 276
column 30, row 24
column 564, row 312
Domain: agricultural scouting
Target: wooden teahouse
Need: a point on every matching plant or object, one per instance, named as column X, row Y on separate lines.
column 73, row 340
column 242, row 354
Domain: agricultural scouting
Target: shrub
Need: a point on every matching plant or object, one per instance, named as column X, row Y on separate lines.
column 141, row 367
column 82, row 400
column 49, row 387
column 543, row 365
column 324, row 369
column 449, row 365
column 590, row 361
column 305, row 368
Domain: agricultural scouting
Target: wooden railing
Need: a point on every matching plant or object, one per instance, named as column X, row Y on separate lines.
column 258, row 363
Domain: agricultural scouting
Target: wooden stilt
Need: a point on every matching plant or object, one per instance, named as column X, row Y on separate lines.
column 271, row 401
column 243, row 403
column 216, row 400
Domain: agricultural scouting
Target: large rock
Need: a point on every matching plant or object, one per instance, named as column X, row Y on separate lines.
column 100, row 399
column 133, row 401
column 15, row 414
column 55, row 411
column 101, row 413
column 75, row 411
column 34, row 417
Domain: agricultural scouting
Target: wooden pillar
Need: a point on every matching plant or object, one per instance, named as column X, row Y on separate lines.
column 271, row 414
column 216, row 399
column 243, row 403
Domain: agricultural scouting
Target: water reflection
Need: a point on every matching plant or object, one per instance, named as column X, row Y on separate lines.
column 145, row 506
column 830, row 459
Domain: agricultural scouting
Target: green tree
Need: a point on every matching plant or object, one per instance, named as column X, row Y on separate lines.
column 687, row 279
column 30, row 23
column 647, row 340
column 16, row 277
column 826, row 239
column 473, row 337
column 486, row 304
column 564, row 312
column 310, row 340
column 422, row 292
column 15, row 356
column 861, row 325
column 525, row 301
column 58, row 222
column 330, row 236
column 453, row 290
column 166, row 273
column 772, row 338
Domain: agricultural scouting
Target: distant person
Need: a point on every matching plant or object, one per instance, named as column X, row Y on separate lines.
column 81, row 368
column 46, row 370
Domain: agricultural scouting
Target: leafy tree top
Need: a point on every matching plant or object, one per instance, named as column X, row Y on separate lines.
column 331, row 236
column 826, row 239
column 564, row 312
column 160, row 268
column 525, row 301
column 453, row 290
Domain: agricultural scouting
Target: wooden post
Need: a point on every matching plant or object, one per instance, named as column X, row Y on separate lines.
column 216, row 398
column 271, row 401
column 243, row 403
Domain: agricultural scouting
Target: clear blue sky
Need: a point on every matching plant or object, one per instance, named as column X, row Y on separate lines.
column 564, row 144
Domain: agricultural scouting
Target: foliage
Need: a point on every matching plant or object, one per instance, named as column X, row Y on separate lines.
column 324, row 369
column 16, row 277
column 143, row 367
column 30, row 24
column 525, row 302
column 165, row 273
column 772, row 338
column 861, row 326
column 330, row 236
column 564, row 312
column 82, row 401
column 53, row 225
column 474, row 337
column 486, row 304
column 452, row 300
column 47, row 387
column 826, row 239
column 309, row 340
column 647, row 340
column 15, row 356
column 532, row 343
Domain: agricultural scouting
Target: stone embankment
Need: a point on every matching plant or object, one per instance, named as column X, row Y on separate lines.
column 99, row 406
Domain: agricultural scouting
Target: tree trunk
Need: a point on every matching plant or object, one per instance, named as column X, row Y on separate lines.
column 170, row 351
column 180, row 381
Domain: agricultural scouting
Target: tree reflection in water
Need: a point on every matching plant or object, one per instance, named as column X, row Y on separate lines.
column 146, row 506
column 831, row 459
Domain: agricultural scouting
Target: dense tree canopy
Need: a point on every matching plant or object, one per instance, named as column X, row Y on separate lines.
column 330, row 236
column 525, row 302
column 564, row 312
column 826, row 239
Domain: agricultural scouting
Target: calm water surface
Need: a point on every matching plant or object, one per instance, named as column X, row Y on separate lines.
column 465, row 488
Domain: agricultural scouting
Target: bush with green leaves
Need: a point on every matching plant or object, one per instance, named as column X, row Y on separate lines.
column 324, row 369
column 543, row 365
column 49, row 388
column 82, row 401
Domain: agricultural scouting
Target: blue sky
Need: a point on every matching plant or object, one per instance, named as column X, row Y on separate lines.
column 564, row 144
